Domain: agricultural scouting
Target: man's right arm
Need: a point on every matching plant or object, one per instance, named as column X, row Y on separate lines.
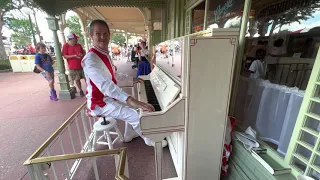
column 252, row 68
column 104, row 83
column 102, row 79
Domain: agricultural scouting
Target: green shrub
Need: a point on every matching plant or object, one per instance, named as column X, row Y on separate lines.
column 5, row 64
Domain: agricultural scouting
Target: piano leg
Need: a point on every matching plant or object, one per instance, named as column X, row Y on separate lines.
column 157, row 138
column 158, row 159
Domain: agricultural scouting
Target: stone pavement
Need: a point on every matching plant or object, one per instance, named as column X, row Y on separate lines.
column 28, row 118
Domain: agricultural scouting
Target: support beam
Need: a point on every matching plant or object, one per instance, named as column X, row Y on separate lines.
column 65, row 90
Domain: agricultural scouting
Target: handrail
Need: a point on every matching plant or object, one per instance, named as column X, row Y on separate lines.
column 121, row 167
column 55, row 134
column 119, row 172
column 72, row 156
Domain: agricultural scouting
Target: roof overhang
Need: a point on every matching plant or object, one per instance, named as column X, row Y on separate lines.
column 57, row 7
column 119, row 19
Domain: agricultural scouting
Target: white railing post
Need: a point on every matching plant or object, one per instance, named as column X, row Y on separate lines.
column 77, row 124
column 52, row 166
column 95, row 168
column 63, row 152
column 71, row 138
column 31, row 172
column 84, row 125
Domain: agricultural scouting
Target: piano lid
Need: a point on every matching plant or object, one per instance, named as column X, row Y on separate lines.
column 169, row 57
column 165, row 88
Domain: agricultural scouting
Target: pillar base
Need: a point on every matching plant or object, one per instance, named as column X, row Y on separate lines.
column 66, row 94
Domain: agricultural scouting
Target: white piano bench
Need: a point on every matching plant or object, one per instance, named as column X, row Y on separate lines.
column 105, row 125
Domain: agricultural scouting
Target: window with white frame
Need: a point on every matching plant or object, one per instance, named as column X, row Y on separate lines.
column 284, row 106
column 304, row 150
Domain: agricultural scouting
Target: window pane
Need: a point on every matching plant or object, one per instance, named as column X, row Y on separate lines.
column 224, row 13
column 315, row 108
column 306, row 153
column 312, row 124
column 314, row 174
column 198, row 17
column 317, row 161
column 299, row 164
column 308, row 138
column 317, row 92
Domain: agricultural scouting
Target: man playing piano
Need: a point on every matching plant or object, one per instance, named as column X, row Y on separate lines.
column 104, row 97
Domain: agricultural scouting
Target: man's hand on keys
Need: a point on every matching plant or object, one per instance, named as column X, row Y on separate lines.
column 138, row 104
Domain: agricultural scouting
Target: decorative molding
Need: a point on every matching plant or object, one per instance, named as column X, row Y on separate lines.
column 193, row 42
column 233, row 41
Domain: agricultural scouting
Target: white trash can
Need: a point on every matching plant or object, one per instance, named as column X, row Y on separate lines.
column 15, row 63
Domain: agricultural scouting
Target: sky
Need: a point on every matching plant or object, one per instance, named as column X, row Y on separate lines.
column 310, row 23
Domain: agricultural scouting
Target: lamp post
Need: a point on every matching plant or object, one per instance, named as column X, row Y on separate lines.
column 27, row 11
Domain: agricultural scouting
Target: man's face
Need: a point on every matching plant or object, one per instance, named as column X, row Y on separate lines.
column 100, row 36
column 72, row 41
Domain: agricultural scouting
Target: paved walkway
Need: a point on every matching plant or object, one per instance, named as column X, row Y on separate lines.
column 28, row 118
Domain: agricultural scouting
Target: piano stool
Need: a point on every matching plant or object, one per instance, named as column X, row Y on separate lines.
column 106, row 129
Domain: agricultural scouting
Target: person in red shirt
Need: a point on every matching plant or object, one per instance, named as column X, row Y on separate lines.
column 32, row 49
column 73, row 53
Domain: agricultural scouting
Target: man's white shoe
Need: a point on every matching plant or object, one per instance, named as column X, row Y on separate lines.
column 152, row 143
column 129, row 138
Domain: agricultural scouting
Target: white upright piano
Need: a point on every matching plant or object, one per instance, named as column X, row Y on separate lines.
column 190, row 88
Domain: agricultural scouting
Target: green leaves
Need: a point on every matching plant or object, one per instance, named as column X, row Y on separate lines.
column 118, row 38
column 22, row 32
column 74, row 25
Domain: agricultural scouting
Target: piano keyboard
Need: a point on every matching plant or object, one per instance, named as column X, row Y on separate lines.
column 151, row 96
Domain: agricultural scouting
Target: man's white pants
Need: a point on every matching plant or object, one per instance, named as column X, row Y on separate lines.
column 123, row 112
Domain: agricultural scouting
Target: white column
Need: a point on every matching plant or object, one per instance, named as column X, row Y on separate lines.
column 62, row 26
column 62, row 37
column 150, row 43
column 85, row 38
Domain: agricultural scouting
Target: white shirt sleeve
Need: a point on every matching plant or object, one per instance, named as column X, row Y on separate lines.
column 102, row 78
column 253, row 66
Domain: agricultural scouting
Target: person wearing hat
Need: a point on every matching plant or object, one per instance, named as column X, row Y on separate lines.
column 73, row 53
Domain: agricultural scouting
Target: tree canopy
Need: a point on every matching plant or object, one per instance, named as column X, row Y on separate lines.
column 118, row 38
column 298, row 14
column 22, row 32
column 74, row 25
column 6, row 7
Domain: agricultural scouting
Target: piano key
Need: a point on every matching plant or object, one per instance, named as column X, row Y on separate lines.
column 151, row 96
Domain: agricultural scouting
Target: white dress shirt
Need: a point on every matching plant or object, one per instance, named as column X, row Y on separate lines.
column 97, row 74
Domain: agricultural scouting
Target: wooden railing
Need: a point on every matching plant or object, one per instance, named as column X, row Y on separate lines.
column 290, row 74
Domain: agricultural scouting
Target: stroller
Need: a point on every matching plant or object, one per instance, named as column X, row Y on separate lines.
column 134, row 59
